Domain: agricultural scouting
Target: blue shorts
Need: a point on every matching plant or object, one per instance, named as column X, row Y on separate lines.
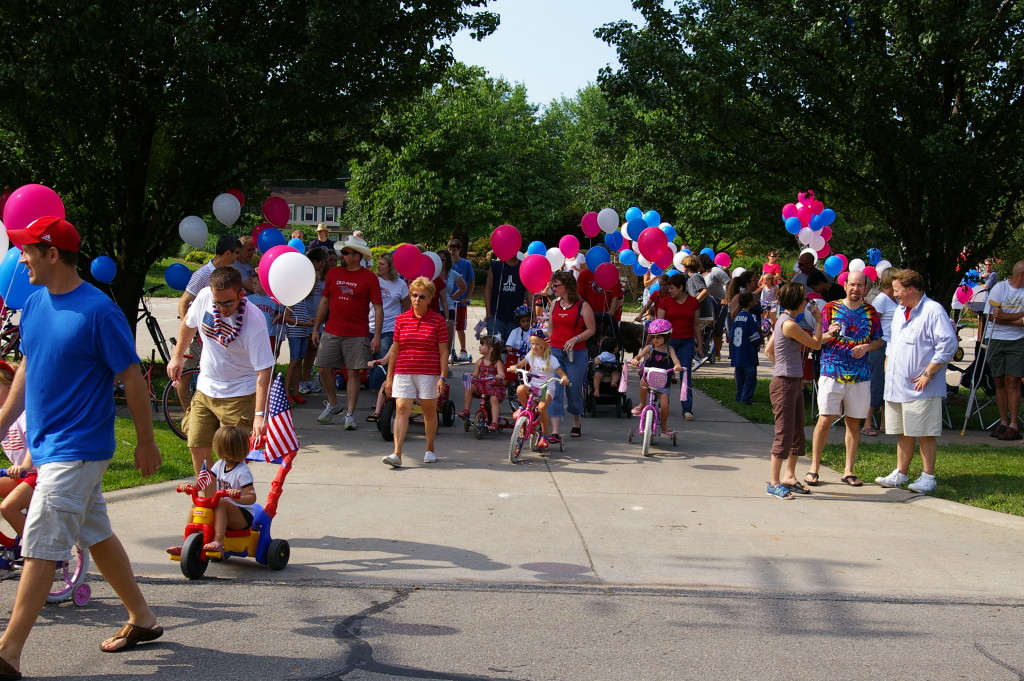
column 297, row 347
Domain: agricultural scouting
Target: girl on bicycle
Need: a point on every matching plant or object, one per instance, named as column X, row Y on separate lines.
column 544, row 366
column 488, row 380
column 657, row 354
column 15, row 490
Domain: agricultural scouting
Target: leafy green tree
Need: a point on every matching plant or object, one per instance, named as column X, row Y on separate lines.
column 464, row 157
column 905, row 114
column 138, row 114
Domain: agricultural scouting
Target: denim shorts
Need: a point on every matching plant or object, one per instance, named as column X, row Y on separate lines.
column 67, row 508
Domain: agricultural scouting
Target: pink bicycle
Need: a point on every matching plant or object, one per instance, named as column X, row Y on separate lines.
column 527, row 425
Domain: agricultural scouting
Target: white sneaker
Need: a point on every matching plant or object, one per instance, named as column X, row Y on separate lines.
column 894, row 479
column 392, row 461
column 430, row 457
column 350, row 422
column 923, row 485
column 304, row 387
column 314, row 385
column 327, row 415
column 463, row 356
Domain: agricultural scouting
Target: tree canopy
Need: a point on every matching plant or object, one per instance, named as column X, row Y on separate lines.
column 906, row 114
column 138, row 114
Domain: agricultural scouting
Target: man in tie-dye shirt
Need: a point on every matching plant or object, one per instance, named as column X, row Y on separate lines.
column 853, row 329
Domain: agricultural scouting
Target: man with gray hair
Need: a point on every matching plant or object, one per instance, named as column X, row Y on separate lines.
column 923, row 342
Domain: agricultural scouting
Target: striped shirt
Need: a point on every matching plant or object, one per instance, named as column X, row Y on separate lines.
column 419, row 338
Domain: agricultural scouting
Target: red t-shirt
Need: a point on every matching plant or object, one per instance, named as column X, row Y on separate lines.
column 772, row 268
column 350, row 295
column 566, row 323
column 418, row 337
column 598, row 298
column 680, row 314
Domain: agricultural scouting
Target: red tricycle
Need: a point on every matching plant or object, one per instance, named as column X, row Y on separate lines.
column 255, row 541
column 481, row 420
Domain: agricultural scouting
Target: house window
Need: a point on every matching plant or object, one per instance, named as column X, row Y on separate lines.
column 294, row 212
column 308, row 214
column 329, row 214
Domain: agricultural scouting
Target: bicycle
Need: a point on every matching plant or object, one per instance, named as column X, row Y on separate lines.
column 526, row 422
column 69, row 578
column 10, row 338
column 147, row 374
column 153, row 326
column 173, row 408
column 650, row 414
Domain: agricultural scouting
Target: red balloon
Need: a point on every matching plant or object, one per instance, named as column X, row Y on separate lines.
column 841, row 279
column 652, row 241
column 408, row 260
column 664, row 260
column 805, row 215
column 276, row 211
column 826, row 232
column 870, row 272
column 626, row 245
column 30, row 202
column 964, row 294
column 506, row 241
column 817, row 207
column 589, row 225
column 569, row 245
column 825, row 250
column 789, row 211
column 535, row 272
column 846, row 261
column 237, row 193
column 606, row 276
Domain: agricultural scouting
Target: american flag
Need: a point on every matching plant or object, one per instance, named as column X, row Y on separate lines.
column 13, row 441
column 281, row 438
column 204, row 478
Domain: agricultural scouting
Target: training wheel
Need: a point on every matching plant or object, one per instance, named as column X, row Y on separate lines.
column 81, row 594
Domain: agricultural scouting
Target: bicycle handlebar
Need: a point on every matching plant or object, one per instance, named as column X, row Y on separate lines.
column 3, row 473
column 151, row 289
column 193, row 491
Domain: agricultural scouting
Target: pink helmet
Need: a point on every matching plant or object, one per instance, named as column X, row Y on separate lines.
column 659, row 327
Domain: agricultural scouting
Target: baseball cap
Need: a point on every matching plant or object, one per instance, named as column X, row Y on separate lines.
column 49, row 230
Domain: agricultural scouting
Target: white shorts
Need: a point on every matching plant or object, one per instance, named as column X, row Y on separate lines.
column 67, row 508
column 849, row 399
column 414, row 386
column 917, row 418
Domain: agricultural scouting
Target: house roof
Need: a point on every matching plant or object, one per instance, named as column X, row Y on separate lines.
column 311, row 196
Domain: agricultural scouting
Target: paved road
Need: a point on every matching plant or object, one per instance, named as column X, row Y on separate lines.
column 591, row 564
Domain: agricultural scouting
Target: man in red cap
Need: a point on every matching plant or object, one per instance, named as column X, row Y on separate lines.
column 72, row 327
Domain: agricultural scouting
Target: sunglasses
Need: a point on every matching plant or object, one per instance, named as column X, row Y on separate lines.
column 418, row 295
column 350, row 252
column 225, row 303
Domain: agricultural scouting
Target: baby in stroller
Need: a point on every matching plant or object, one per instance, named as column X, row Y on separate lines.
column 607, row 363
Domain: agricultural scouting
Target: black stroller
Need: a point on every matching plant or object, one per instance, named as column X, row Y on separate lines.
column 607, row 336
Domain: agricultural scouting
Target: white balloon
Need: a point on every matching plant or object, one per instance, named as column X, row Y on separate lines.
column 805, row 235
column 193, row 231
column 672, row 247
column 226, row 208
column 814, row 254
column 436, row 259
column 291, row 278
column 557, row 258
column 882, row 266
column 817, row 243
column 5, row 241
column 856, row 265
column 608, row 220
column 636, row 249
column 644, row 262
column 738, row 271
column 677, row 260
column 520, row 255
column 624, row 233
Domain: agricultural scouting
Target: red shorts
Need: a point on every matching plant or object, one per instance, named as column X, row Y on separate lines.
column 30, row 479
column 461, row 313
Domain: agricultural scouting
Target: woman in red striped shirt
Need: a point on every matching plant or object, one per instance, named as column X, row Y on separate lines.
column 418, row 365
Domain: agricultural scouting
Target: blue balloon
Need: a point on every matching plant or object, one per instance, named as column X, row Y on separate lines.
column 655, row 270
column 687, row 251
column 828, row 216
column 874, row 256
column 656, row 287
column 672, row 272
column 536, row 248
column 816, row 223
column 627, row 258
column 652, row 218
column 103, row 269
column 633, row 213
column 670, row 232
column 639, row 270
column 634, row 227
column 614, row 240
column 269, row 238
column 14, row 285
column 707, row 251
column 833, row 265
column 296, row 244
column 793, row 225
column 597, row 255
column 177, row 276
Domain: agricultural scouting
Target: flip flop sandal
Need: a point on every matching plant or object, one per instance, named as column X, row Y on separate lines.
column 132, row 636
column 797, row 487
column 7, row 672
column 372, row 418
column 870, row 432
column 214, row 547
column 575, row 432
column 852, row 480
column 811, row 479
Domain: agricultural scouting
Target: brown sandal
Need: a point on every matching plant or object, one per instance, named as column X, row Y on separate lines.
column 811, row 479
column 132, row 636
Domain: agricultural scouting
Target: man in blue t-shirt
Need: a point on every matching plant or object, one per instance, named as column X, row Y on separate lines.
column 465, row 270
column 75, row 342
column 744, row 342
column 503, row 293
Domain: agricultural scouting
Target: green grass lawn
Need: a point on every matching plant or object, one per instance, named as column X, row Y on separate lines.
column 977, row 475
column 155, row 276
column 177, row 462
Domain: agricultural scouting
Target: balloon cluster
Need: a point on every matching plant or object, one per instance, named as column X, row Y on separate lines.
column 965, row 291
column 410, row 262
column 839, row 266
column 808, row 220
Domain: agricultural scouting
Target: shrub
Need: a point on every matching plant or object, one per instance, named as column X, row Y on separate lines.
column 199, row 257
